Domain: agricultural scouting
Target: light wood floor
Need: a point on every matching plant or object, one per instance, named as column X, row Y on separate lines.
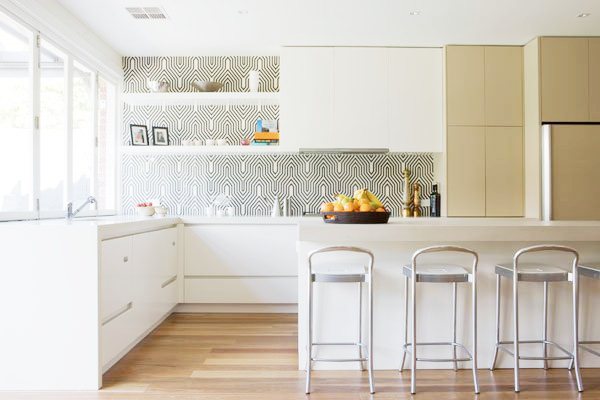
column 253, row 356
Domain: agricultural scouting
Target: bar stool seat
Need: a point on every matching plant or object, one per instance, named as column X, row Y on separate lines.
column 590, row 271
column 438, row 273
column 339, row 273
column 534, row 272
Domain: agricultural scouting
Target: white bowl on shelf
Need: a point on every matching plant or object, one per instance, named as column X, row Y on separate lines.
column 146, row 211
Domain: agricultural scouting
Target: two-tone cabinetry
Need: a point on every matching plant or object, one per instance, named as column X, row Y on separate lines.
column 362, row 97
column 484, row 132
column 138, row 288
column 569, row 69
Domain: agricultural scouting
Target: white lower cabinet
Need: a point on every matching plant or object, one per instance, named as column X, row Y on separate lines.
column 138, row 287
column 240, row 264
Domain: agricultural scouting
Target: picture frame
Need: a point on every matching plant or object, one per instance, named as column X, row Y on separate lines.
column 160, row 135
column 139, row 135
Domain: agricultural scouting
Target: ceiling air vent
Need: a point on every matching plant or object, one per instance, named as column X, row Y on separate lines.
column 147, row 12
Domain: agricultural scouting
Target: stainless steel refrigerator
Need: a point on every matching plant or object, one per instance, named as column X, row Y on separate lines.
column 571, row 171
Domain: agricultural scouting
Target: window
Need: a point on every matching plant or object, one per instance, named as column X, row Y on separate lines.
column 57, row 127
column 16, row 151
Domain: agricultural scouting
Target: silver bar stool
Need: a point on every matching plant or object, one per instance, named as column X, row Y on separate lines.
column 444, row 273
column 535, row 272
column 592, row 272
column 345, row 274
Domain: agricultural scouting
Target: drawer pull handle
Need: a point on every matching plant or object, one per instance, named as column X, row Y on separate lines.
column 173, row 243
column 125, row 259
column 168, row 281
column 118, row 313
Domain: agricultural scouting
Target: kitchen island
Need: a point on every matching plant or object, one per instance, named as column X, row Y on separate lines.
column 495, row 240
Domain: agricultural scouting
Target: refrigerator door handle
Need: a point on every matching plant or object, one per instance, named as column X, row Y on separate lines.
column 547, row 172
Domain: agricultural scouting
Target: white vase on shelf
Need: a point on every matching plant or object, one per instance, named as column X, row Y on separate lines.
column 253, row 81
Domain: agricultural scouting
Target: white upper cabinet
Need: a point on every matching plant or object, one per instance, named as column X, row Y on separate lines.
column 306, row 86
column 361, row 97
column 415, row 99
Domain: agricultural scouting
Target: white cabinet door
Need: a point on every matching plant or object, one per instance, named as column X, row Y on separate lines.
column 415, row 99
column 116, row 276
column 360, row 81
column 240, row 264
column 306, row 97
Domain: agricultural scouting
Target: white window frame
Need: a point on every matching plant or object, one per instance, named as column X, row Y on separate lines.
column 35, row 39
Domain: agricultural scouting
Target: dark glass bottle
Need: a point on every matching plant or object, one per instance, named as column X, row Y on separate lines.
column 435, row 202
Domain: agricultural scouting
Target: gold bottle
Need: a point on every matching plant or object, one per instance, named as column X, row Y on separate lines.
column 406, row 206
column 417, row 200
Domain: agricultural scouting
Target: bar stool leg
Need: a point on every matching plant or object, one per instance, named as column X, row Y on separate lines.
column 454, row 287
column 474, row 305
column 310, row 333
column 370, row 349
column 498, row 280
column 413, row 375
column 545, row 333
column 360, row 339
column 516, row 329
column 405, row 323
column 576, row 330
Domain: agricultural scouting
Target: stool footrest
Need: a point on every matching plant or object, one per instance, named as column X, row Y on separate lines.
column 339, row 359
column 588, row 349
column 338, row 344
column 453, row 344
column 502, row 346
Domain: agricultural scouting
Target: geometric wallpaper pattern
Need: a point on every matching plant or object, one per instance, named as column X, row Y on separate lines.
column 189, row 122
column 186, row 184
column 180, row 72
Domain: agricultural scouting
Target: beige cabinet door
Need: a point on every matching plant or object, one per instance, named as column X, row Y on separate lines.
column 504, row 86
column 465, row 70
column 594, row 79
column 575, row 172
column 564, row 79
column 466, row 171
column 504, row 171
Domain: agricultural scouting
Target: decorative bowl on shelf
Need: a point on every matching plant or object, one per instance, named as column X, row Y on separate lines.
column 207, row 86
column 158, row 86
column 145, row 211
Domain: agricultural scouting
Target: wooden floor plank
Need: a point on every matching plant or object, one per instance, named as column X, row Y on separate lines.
column 254, row 357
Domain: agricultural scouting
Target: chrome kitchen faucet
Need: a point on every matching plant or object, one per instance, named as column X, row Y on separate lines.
column 71, row 213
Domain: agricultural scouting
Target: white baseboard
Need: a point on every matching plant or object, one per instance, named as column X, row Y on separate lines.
column 236, row 308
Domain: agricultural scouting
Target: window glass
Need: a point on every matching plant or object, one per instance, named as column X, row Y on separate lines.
column 53, row 129
column 83, row 133
column 16, row 149
column 107, row 99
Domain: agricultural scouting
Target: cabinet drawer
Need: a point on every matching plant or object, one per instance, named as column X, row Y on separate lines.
column 241, row 290
column 117, row 333
column 241, row 250
column 116, row 275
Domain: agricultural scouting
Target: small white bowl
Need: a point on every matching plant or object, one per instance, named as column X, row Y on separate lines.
column 147, row 211
column 161, row 210
column 222, row 142
column 210, row 142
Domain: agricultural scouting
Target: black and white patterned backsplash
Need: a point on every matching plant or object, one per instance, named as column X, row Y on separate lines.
column 188, row 183
column 201, row 122
column 180, row 72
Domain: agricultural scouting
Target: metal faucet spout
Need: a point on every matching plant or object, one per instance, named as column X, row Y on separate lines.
column 71, row 213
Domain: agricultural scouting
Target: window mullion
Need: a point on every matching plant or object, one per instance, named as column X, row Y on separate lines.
column 94, row 183
column 35, row 118
column 69, row 126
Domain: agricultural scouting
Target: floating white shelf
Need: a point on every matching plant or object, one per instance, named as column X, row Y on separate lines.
column 142, row 150
column 200, row 98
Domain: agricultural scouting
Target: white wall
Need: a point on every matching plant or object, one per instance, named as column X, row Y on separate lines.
column 56, row 23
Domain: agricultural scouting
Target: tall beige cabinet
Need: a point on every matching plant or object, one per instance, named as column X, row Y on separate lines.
column 484, row 132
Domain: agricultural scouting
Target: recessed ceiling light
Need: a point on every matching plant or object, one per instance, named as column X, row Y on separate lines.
column 415, row 12
column 243, row 12
column 583, row 15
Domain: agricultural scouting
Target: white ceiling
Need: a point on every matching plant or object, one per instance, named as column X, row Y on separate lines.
column 249, row 26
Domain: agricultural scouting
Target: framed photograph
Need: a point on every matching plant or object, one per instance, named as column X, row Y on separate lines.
column 139, row 135
column 161, row 136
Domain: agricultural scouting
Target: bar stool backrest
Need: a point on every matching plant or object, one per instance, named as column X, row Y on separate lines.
column 350, row 249
column 439, row 249
column 546, row 247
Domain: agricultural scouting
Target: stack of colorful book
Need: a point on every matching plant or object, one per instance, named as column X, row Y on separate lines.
column 266, row 139
column 267, row 133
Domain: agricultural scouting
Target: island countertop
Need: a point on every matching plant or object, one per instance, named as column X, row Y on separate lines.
column 452, row 230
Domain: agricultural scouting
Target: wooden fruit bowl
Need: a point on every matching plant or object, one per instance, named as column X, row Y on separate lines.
column 372, row 217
